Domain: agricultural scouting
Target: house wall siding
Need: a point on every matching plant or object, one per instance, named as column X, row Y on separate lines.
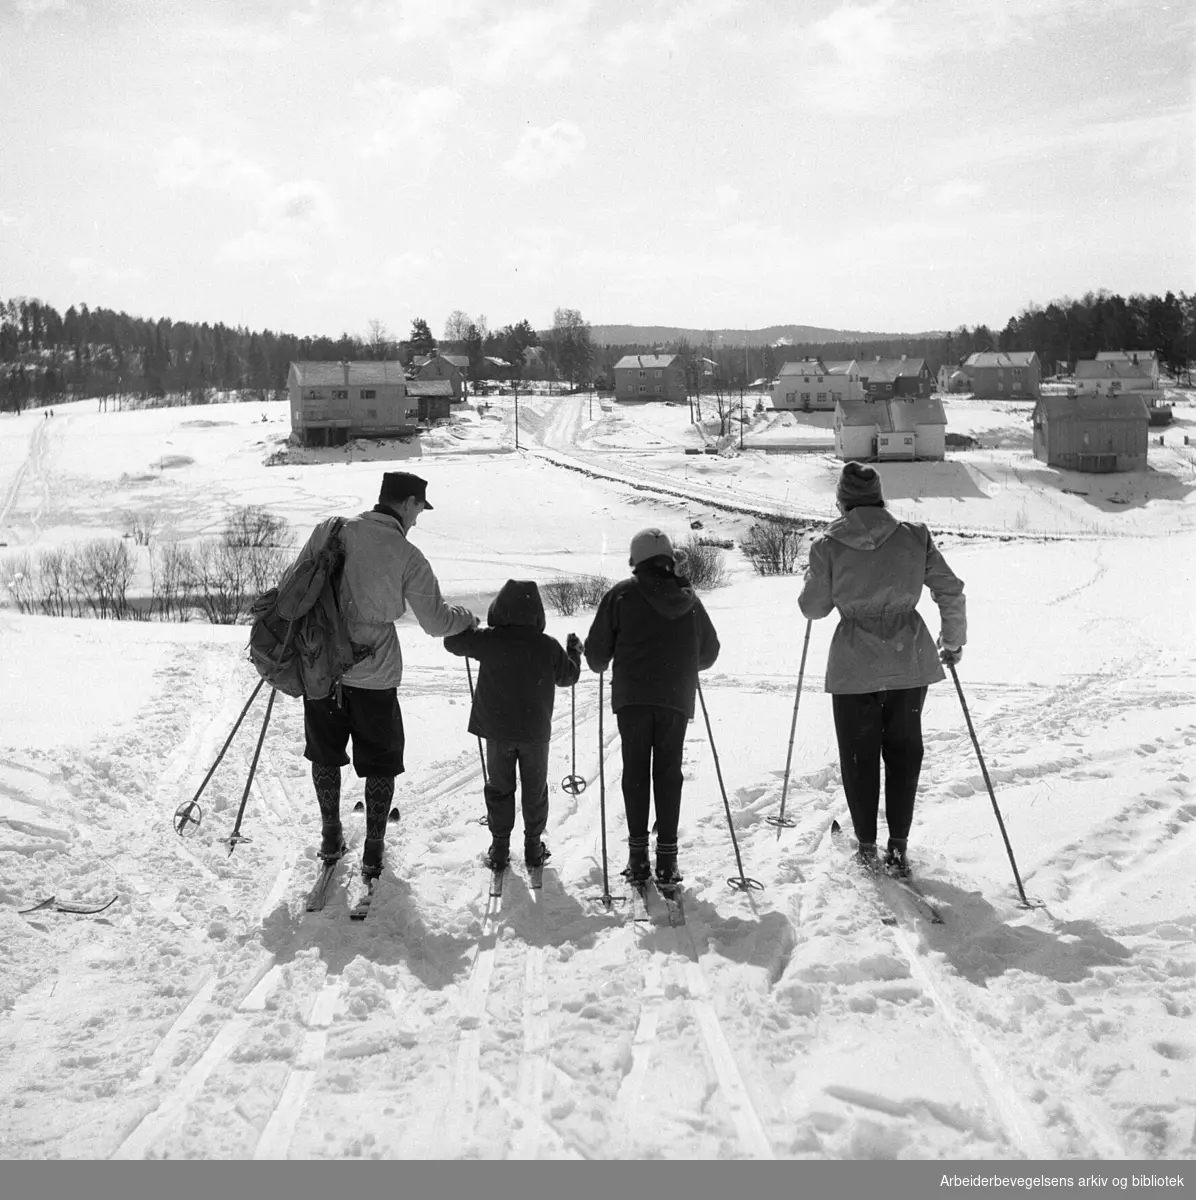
column 669, row 386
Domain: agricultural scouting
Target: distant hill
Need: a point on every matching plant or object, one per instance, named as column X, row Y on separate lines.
column 785, row 335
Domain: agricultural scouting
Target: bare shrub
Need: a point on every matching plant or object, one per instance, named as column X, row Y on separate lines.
column 773, row 547
column 591, row 590
column 170, row 570
column 106, row 569
column 253, row 525
column 562, row 594
column 17, row 575
column 703, row 565
column 58, row 591
column 140, row 527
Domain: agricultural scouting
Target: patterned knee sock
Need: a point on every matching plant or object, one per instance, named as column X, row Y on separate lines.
column 379, row 792
column 328, row 792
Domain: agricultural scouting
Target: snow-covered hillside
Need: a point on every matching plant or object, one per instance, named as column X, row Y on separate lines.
column 206, row 1015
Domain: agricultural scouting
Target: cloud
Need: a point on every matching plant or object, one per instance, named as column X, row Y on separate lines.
column 188, row 163
column 955, row 191
column 404, row 120
column 666, row 29
column 293, row 219
column 542, row 153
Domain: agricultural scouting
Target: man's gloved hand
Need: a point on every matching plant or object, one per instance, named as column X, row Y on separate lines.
column 949, row 655
column 573, row 645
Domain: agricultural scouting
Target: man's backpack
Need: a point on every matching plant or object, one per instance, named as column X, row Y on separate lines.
column 298, row 640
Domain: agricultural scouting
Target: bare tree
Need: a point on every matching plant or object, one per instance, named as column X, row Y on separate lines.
column 378, row 340
column 457, row 326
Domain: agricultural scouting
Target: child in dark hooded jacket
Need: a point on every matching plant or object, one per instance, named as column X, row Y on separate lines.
column 520, row 669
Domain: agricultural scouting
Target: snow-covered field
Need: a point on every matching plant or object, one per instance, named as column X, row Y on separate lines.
column 205, row 1015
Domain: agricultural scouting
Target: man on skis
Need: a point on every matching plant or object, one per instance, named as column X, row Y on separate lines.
column 383, row 575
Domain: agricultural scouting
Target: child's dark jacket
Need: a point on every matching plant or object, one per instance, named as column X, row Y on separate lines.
column 521, row 667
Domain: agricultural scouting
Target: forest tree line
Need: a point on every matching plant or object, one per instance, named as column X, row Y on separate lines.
column 47, row 356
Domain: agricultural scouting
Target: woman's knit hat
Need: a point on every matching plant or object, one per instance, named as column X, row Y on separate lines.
column 859, row 487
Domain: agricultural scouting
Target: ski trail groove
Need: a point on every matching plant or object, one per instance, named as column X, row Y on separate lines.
column 279, row 1130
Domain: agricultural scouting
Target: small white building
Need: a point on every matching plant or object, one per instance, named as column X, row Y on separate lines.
column 332, row 402
column 891, row 429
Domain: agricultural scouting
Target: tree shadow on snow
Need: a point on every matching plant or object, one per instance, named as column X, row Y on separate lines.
column 980, row 945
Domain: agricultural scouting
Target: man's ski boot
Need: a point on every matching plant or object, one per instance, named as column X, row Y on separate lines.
column 638, row 868
column 371, row 858
column 896, row 863
column 866, row 858
column 667, row 874
column 332, row 843
column 499, row 855
column 535, row 853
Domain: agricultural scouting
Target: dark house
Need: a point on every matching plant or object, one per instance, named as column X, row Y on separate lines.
column 434, row 398
column 1092, row 433
column 889, row 378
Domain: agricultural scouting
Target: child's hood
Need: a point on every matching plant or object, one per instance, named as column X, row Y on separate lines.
column 517, row 603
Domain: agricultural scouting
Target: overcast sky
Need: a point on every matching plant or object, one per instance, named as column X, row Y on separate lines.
column 714, row 163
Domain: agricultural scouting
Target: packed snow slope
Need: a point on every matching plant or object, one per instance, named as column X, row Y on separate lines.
column 206, row 1015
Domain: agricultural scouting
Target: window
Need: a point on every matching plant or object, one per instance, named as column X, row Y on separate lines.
column 643, row 375
column 790, row 397
column 658, row 387
column 642, row 387
column 341, row 394
column 659, row 374
column 1017, row 372
column 372, row 412
column 822, row 397
column 805, row 379
column 805, row 397
column 368, row 393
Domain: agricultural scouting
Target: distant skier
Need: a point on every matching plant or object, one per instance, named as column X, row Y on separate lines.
column 872, row 568
column 520, row 668
column 383, row 574
column 655, row 630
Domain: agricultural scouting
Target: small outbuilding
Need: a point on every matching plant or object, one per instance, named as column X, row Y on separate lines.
column 332, row 402
column 891, row 429
column 433, row 398
column 1091, row 432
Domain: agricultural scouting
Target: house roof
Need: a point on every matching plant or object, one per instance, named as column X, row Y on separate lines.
column 497, row 362
column 841, row 367
column 1147, row 356
column 645, row 361
column 805, row 366
column 888, row 370
column 1001, row 358
column 332, row 374
column 430, row 387
column 892, row 416
column 460, row 361
column 1119, row 368
column 1093, row 408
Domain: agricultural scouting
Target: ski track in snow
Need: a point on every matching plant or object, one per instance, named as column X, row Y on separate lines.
column 207, row 1015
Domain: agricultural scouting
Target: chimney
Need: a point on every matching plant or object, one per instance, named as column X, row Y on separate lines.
column 345, row 368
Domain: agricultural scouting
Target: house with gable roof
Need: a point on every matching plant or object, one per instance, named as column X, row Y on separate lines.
column 1004, row 374
column 884, row 378
column 332, row 402
column 1096, row 432
column 810, row 385
column 912, row 428
column 1112, row 372
column 650, row 377
column 453, row 367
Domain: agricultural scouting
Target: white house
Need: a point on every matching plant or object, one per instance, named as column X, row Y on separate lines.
column 1148, row 359
column 332, row 402
column 914, row 428
column 810, row 385
column 1111, row 376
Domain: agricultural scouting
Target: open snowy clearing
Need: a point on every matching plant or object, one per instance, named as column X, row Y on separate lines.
column 205, row 1015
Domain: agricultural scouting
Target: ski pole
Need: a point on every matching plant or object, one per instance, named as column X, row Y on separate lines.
column 1021, row 891
column 573, row 783
column 236, row 835
column 483, row 820
column 188, row 815
column 781, row 821
column 740, row 881
column 606, row 899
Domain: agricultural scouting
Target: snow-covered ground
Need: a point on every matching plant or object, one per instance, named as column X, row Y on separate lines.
column 206, row 1015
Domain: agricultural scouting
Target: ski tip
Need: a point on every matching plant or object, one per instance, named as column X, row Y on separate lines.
column 835, row 827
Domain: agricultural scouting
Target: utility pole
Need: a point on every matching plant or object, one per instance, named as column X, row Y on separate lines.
column 516, row 416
